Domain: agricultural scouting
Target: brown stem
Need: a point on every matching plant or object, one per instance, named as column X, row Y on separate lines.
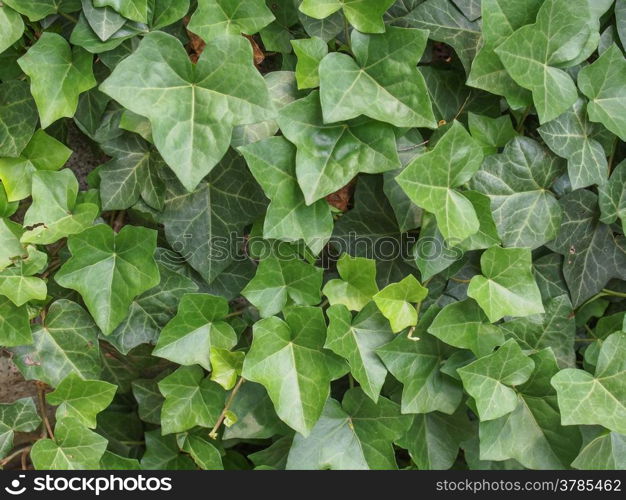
column 25, row 453
column 213, row 433
column 43, row 408
column 7, row 459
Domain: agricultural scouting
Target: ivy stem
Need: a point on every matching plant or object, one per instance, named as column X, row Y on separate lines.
column 613, row 293
column 43, row 408
column 213, row 433
column 612, row 157
column 68, row 17
column 235, row 313
column 10, row 457
column 346, row 33
column 520, row 125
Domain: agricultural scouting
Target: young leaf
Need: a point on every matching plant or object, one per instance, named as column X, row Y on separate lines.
column 214, row 18
column 364, row 15
column 357, row 285
column 398, row 301
column 109, row 270
column 182, row 100
column 17, row 281
column 310, row 53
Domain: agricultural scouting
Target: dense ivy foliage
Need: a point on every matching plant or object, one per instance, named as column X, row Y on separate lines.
column 365, row 234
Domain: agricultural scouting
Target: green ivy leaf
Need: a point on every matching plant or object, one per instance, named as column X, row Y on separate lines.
column 432, row 179
column 10, row 247
column 14, row 324
column 36, row 10
column 190, row 399
column 135, row 10
column 58, row 75
column 104, row 21
column 604, row 452
column 603, row 83
column 182, row 100
column 599, row 399
column 382, row 83
column 206, row 456
column 19, row 416
column 397, row 302
column 358, row 434
column 330, row 155
column 517, row 182
column 288, row 218
column 17, row 281
column 492, row 133
column 12, row 27
column 310, row 52
column 357, row 285
column 612, row 197
column 226, row 366
column 488, row 380
column 364, row 15
column 507, row 286
column 287, row 358
column 197, row 328
column 18, row 117
column 214, row 18
column 109, row 270
column 356, row 340
column 81, row 399
column 74, row 447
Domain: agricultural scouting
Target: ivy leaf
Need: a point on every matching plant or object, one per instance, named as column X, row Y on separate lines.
column 310, row 52
column 10, row 248
column 109, row 270
column 599, row 399
column 365, row 15
column 74, row 447
column 287, row 358
column 190, row 399
column 612, row 197
column 42, row 152
column 104, row 21
column 382, row 83
column 81, row 399
column 197, row 328
column 226, row 366
column 592, row 254
column 464, row 325
column 19, row 416
column 12, row 27
column 492, row 133
column 206, row 456
column 278, row 281
column 36, row 10
column 150, row 311
column 417, row 365
column 18, row 118
column 54, row 212
column 507, row 286
column 358, row 434
column 603, row 83
column 201, row 224
column 181, row 100
column 517, row 182
column 58, row 75
column 433, row 440
column 17, row 281
column 288, row 218
column 14, row 324
column 430, row 181
column 563, row 35
column 357, row 285
column 66, row 342
column 111, row 461
column 446, row 24
column 397, row 302
column 330, row 155
column 500, row 19
column 604, row 452
column 356, row 340
column 532, row 433
column 149, row 400
column 135, row 10
column 214, row 18
column 488, row 380
column 573, row 137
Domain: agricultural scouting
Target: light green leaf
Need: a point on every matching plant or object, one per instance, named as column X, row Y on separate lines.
column 517, row 182
column 507, row 286
column 17, row 281
column 310, row 53
column 382, row 83
column 74, row 447
column 58, row 75
column 10, row 246
column 416, row 364
column 356, row 340
column 184, row 102
column 19, row 416
column 135, row 10
column 607, row 451
column 358, row 434
column 603, row 83
column 196, row 329
column 288, row 218
column 36, row 10
column 357, row 285
column 398, row 301
column 599, row 399
column 287, row 358
column 464, row 325
column 214, row 18
column 280, row 281
column 81, row 399
column 203, row 452
column 612, row 197
column 109, row 270
column 12, row 27
column 226, row 366
column 14, row 324
column 43, row 152
column 66, row 342
column 489, row 379
column 190, row 399
column 364, row 15
column 330, row 155
column 431, row 181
